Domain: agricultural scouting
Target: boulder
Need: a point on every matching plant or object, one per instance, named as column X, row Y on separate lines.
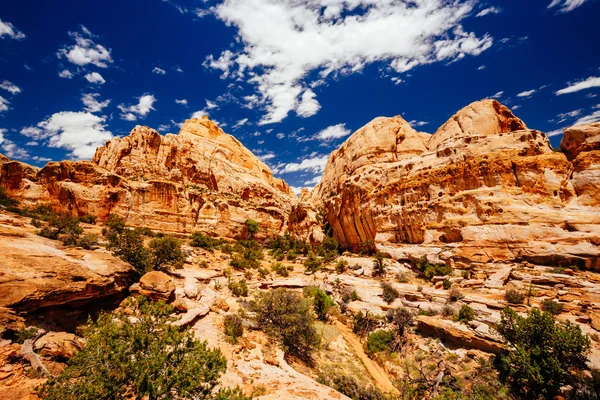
column 10, row 323
column 58, row 345
column 581, row 138
column 155, row 285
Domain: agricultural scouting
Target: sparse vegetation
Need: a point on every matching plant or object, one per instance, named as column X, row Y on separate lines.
column 151, row 358
column 312, row 263
column 65, row 228
column 514, row 296
column 280, row 269
column 552, row 307
column 465, row 314
column 128, row 245
column 322, row 303
column 252, row 228
column 378, row 264
column 379, row 340
column 545, row 355
column 238, row 288
column 166, row 253
column 364, row 323
column 7, row 201
column 402, row 319
column 88, row 219
column 389, row 293
column 286, row 316
column 350, row 387
column 454, row 295
column 341, row 266
column 198, row 239
column 328, row 250
column 233, row 327
column 428, row 270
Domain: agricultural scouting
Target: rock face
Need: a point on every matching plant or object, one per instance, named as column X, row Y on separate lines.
column 484, row 188
column 155, row 285
column 201, row 179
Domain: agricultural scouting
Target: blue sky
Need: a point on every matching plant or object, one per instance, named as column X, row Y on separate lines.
column 291, row 79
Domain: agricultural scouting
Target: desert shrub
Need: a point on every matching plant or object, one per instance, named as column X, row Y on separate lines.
column 263, row 272
column 389, row 293
column 128, row 245
column 514, row 296
column 113, row 224
column 6, row 200
column 545, row 354
column 378, row 264
column 238, row 288
column 348, row 294
column 151, row 358
column 466, row 314
column 312, row 262
column 402, row 277
column 446, row 284
column 428, row 270
column 454, row 295
column 448, row 311
column 341, row 266
column 428, row 312
column 88, row 219
column 233, row 327
column 288, row 245
column 367, row 248
column 278, row 255
column 552, row 307
column 286, row 316
column 252, row 228
column 350, row 387
column 26, row 333
column 280, row 269
column 379, row 340
column 88, row 241
column 364, row 323
column 166, row 253
column 328, row 250
column 65, row 228
column 198, row 239
column 402, row 319
column 321, row 301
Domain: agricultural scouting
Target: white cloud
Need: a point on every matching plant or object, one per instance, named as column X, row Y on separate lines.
column 159, row 71
column 163, row 127
column 266, row 157
column 313, row 181
column 3, row 104
column 333, row 132
column 309, row 105
column 588, row 83
column 314, row 164
column 41, row 159
column 416, row 123
column 210, row 105
column 178, row 69
column 85, row 51
column 91, row 104
column 144, row 106
column 566, row 5
column 481, row 68
column 65, row 73
column 240, row 123
column 95, row 77
column 285, row 40
column 588, row 119
column 527, row 93
column 572, row 114
column 396, row 81
column 489, row 10
column 33, row 133
column 11, row 150
column 2, row 132
column 9, row 86
column 516, row 107
column 79, row 132
column 183, row 102
column 554, row 133
column 7, row 29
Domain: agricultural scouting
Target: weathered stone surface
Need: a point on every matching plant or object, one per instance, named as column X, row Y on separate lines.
column 201, row 179
column 37, row 272
column 483, row 187
column 58, row 345
column 581, row 138
column 10, row 322
column 155, row 285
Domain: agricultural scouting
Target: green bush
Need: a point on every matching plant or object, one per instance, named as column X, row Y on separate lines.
column 378, row 264
column 379, row 341
column 389, row 293
column 238, row 288
column 402, row 318
column 312, row 263
column 341, row 266
column 447, row 284
column 428, row 270
column 552, row 307
column 89, row 241
column 328, row 250
column 166, row 253
column 88, row 219
column 65, row 228
column 198, row 239
column 252, row 228
column 113, row 224
column 363, row 323
column 321, row 301
column 284, row 315
column 151, row 358
column 280, row 269
column 128, row 245
column 466, row 314
column 455, row 295
column 233, row 327
column 514, row 296
column 350, row 387
column 545, row 354
column 289, row 246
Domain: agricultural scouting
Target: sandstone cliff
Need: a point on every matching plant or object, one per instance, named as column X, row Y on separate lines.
column 483, row 188
column 201, row 179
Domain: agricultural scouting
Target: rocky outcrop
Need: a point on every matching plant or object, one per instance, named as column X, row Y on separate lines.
column 201, row 179
column 483, row 188
column 38, row 273
column 155, row 285
column 580, row 139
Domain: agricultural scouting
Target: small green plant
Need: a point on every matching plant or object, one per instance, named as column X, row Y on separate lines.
column 379, row 340
column 514, row 296
column 429, row 270
column 447, row 284
column 280, row 269
column 198, row 239
column 88, row 219
column 448, row 311
column 166, row 253
column 402, row 319
column 465, row 314
column 233, row 327
column 363, row 323
column 349, row 386
column 378, row 264
column 402, row 277
column 238, row 288
column 312, row 263
column 252, row 228
column 26, row 333
column 322, row 303
column 203, row 264
column 88, row 241
column 389, row 293
column 341, row 266
column 455, row 295
column 262, row 272
column 552, row 307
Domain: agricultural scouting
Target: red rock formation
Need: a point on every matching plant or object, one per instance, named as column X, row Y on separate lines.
column 483, row 186
column 201, row 179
